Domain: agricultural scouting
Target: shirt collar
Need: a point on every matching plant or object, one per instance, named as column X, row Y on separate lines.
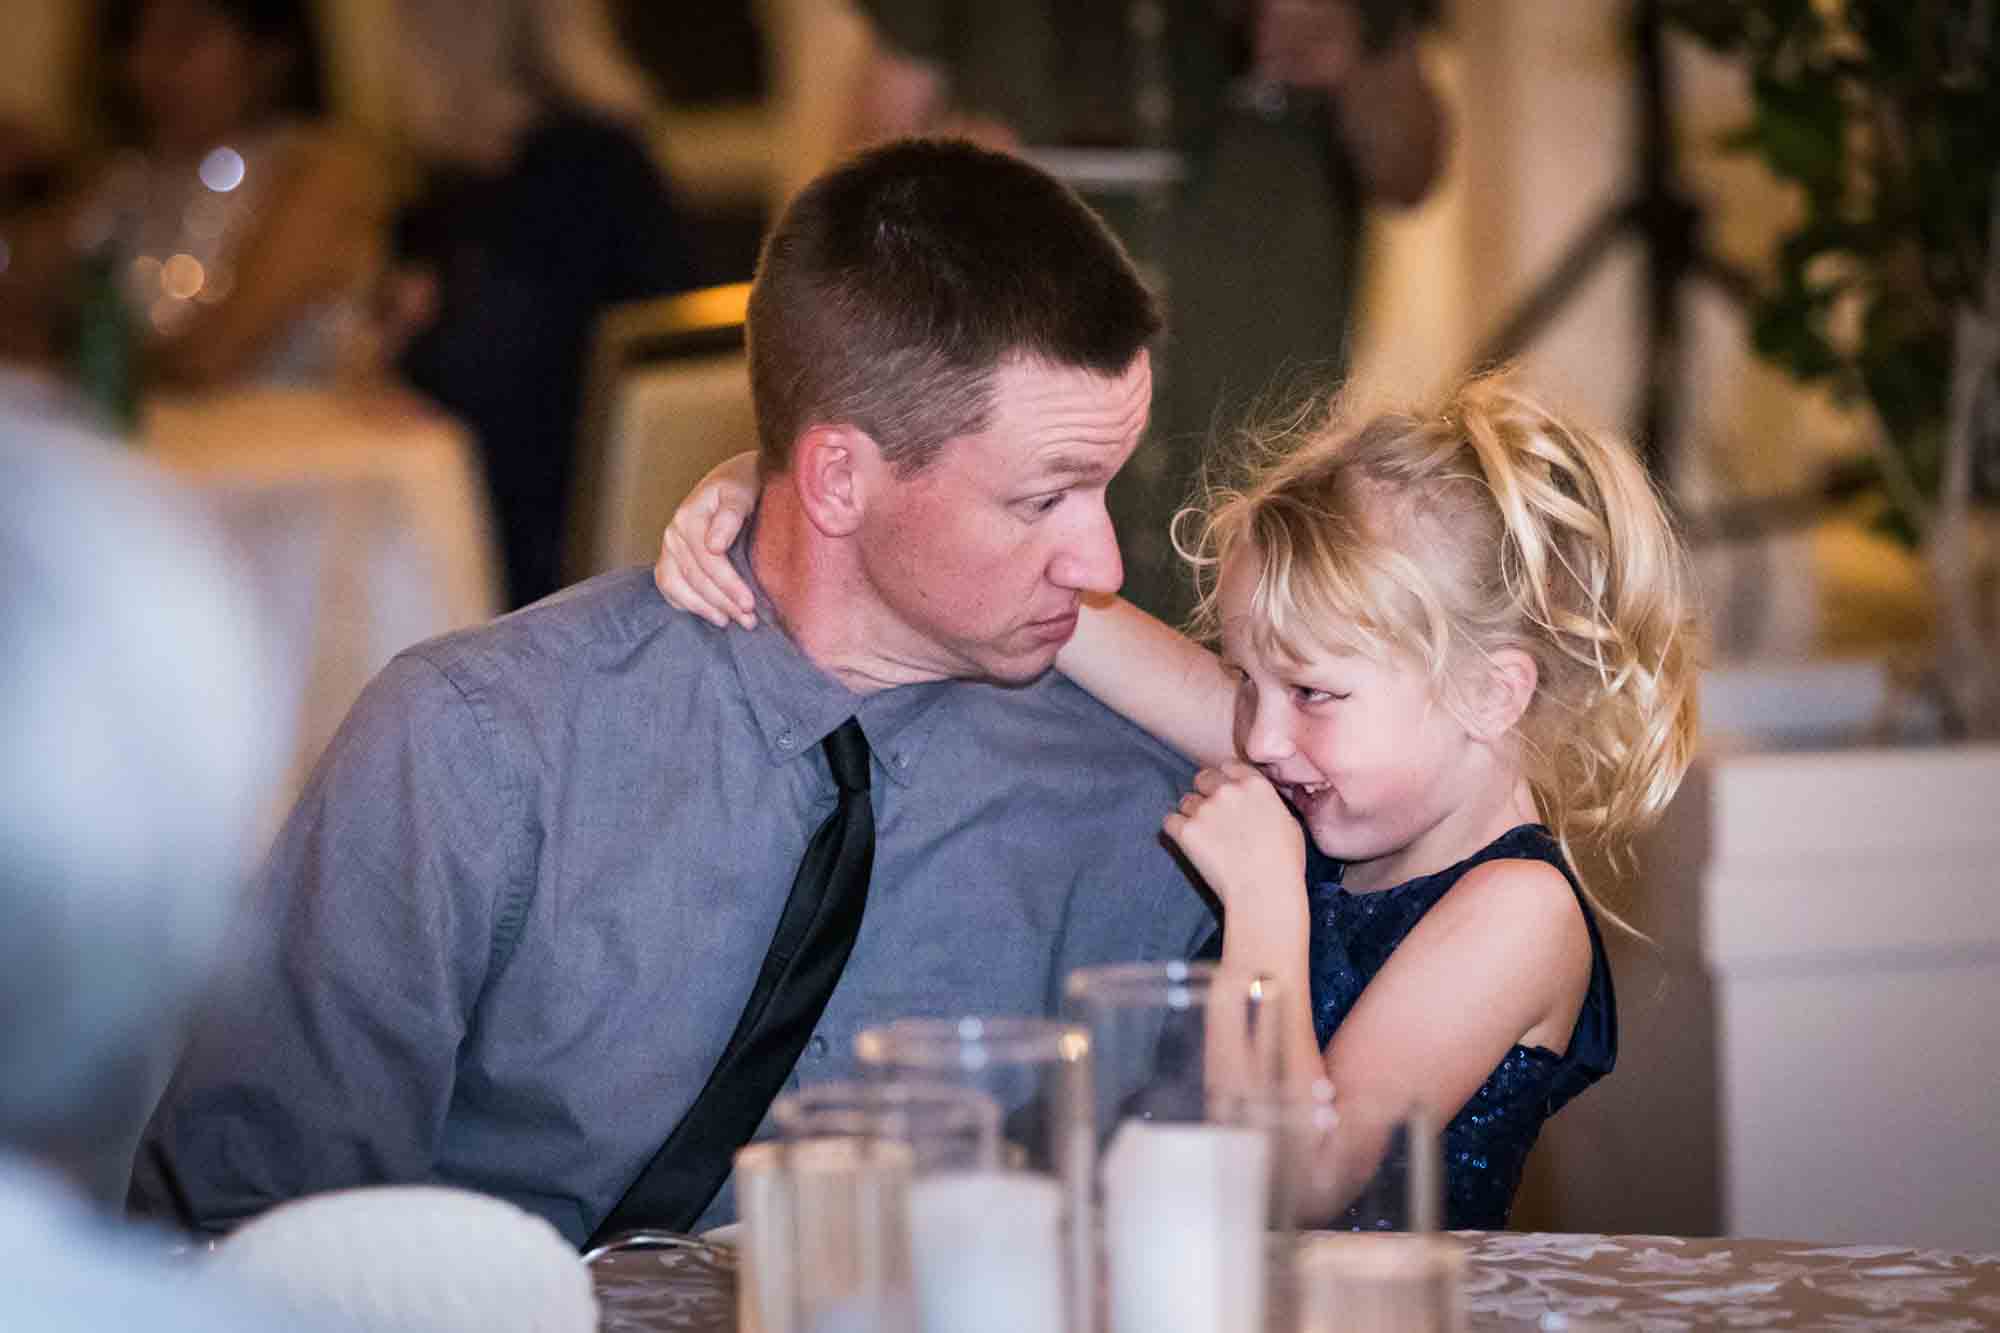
column 796, row 704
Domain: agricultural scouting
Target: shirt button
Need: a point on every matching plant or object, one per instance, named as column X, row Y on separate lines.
column 817, row 1045
column 786, row 740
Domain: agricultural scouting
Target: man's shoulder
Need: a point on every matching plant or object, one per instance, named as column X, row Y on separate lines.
column 1081, row 732
column 601, row 620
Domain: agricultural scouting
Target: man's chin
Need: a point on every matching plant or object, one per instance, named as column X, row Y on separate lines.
column 1020, row 669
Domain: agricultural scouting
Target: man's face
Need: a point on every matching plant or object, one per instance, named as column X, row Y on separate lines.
column 980, row 559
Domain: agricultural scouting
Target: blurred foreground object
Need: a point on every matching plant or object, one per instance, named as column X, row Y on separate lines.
column 131, row 681
column 412, row 1259
column 136, row 751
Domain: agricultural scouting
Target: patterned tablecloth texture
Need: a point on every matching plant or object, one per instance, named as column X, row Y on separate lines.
column 1516, row 1281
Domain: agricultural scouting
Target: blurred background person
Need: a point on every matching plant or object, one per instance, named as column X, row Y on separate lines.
column 229, row 235
column 134, row 699
column 1235, row 146
column 540, row 206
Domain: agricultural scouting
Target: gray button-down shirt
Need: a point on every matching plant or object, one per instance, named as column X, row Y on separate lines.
column 509, row 928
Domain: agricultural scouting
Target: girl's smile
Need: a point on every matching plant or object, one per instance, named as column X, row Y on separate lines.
column 1385, row 778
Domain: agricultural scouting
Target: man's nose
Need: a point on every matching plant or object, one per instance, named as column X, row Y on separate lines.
column 1089, row 561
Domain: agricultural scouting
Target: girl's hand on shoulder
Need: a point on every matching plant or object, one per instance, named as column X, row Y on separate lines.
column 1236, row 830
column 694, row 573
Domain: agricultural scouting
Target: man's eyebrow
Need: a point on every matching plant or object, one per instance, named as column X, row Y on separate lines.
column 1082, row 467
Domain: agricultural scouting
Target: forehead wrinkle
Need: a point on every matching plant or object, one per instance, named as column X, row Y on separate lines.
column 1090, row 421
column 1058, row 389
column 1062, row 461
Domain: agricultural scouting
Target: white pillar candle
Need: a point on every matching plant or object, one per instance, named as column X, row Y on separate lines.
column 986, row 1252
column 849, row 1232
column 1184, row 1222
column 763, row 1241
column 823, row 1242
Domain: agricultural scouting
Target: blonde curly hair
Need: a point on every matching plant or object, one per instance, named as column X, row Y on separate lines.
column 1450, row 535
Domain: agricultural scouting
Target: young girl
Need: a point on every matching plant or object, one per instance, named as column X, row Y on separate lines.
column 1452, row 645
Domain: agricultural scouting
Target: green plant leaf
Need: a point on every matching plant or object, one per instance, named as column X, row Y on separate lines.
column 1786, row 329
column 1802, row 132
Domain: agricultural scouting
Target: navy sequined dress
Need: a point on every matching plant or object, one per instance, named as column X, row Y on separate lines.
column 1487, row 1143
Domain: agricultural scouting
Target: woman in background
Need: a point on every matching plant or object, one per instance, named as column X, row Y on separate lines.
column 241, row 230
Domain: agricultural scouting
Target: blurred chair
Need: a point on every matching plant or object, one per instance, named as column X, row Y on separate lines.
column 668, row 397
column 410, row 1259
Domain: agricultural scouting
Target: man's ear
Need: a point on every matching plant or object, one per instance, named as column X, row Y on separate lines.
column 834, row 468
column 1505, row 688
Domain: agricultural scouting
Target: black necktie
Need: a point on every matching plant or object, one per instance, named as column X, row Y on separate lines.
column 810, row 947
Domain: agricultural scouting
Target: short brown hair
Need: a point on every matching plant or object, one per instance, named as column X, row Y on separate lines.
column 896, row 283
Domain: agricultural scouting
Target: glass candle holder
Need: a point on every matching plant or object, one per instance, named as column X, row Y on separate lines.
column 1001, row 1245
column 1361, row 1283
column 824, row 1244
column 943, row 1126
column 1183, row 1182
column 826, row 1234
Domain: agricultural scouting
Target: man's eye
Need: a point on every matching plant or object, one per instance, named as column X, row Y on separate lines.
column 1042, row 504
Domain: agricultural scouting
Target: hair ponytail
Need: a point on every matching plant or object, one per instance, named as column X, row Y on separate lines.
column 1591, row 562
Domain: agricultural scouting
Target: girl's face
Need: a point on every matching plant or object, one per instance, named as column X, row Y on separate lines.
column 1381, row 772
column 196, row 76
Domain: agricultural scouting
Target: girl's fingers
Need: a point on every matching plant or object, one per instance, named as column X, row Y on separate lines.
column 722, row 529
column 666, row 574
column 717, row 587
column 711, row 556
column 692, row 582
column 674, row 588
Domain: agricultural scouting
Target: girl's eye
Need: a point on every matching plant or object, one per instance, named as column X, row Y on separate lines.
column 1306, row 694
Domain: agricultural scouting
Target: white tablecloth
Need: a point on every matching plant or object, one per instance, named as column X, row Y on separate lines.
column 363, row 523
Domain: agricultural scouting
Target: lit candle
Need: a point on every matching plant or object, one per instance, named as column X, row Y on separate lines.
column 986, row 1251
column 1184, row 1220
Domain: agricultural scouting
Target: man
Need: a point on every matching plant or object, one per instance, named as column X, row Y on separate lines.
column 519, row 932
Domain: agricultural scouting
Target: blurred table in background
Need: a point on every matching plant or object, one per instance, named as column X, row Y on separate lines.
column 363, row 523
column 1519, row 1281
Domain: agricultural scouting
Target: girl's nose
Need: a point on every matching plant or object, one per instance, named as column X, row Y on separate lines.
column 1268, row 738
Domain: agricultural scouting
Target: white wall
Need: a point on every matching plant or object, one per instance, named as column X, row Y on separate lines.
column 1810, row 1051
